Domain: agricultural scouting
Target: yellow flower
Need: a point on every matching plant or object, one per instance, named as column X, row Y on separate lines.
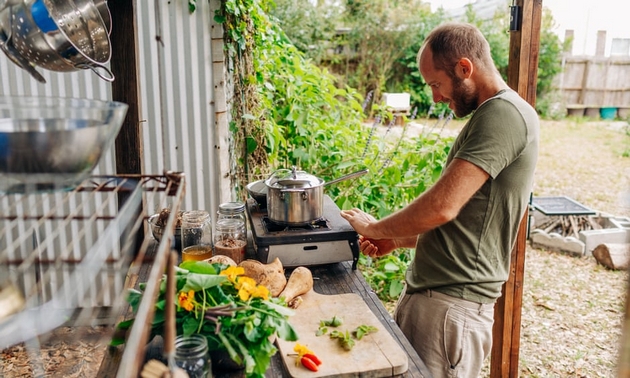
column 187, row 300
column 233, row 272
column 260, row 292
column 245, row 287
column 301, row 349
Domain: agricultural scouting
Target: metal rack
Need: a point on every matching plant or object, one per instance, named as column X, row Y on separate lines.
column 66, row 258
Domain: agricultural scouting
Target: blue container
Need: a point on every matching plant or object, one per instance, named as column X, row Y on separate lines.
column 608, row 112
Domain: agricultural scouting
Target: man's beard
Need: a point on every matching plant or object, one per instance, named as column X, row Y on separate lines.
column 465, row 101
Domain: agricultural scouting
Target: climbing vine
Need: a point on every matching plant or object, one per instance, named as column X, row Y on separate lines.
column 245, row 27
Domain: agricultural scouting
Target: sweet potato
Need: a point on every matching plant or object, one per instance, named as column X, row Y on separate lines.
column 269, row 275
column 221, row 259
column 300, row 282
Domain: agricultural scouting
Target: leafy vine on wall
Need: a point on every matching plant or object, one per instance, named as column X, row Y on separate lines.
column 243, row 28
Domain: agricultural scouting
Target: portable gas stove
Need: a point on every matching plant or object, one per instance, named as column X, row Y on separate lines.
column 329, row 239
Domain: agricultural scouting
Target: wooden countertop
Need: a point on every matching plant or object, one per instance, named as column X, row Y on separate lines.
column 337, row 278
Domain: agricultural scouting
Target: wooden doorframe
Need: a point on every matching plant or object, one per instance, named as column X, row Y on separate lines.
column 522, row 77
column 125, row 87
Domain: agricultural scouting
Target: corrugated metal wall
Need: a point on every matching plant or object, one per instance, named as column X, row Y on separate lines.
column 184, row 125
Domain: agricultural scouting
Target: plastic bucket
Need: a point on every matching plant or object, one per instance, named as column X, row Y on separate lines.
column 608, row 112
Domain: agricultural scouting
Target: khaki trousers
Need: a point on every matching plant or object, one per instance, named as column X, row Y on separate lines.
column 452, row 336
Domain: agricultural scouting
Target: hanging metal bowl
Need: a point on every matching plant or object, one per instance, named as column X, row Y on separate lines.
column 41, row 39
column 81, row 24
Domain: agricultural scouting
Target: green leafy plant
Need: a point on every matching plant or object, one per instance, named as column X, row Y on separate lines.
column 229, row 309
column 386, row 275
column 291, row 112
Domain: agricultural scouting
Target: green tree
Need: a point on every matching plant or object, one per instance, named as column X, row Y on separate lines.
column 550, row 55
column 308, row 26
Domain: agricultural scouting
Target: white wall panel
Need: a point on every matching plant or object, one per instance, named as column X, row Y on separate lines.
column 175, row 66
column 175, row 70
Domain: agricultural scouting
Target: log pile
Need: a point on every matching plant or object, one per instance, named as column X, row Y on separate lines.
column 569, row 225
column 615, row 256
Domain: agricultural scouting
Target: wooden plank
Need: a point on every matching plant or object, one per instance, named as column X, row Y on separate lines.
column 507, row 313
column 517, row 300
column 522, row 76
column 340, row 278
column 376, row 354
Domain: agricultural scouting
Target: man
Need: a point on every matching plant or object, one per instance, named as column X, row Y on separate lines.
column 464, row 227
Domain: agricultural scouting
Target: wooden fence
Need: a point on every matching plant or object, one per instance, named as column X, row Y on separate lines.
column 595, row 81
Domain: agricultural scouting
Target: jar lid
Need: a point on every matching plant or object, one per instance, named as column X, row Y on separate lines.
column 292, row 178
column 232, row 207
column 195, row 216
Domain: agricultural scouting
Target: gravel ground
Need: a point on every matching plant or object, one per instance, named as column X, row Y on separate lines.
column 573, row 307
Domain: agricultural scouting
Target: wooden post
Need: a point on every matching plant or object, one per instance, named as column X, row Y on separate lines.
column 125, row 86
column 600, row 47
column 522, row 76
column 569, row 35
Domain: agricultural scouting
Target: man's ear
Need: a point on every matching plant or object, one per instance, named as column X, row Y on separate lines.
column 464, row 68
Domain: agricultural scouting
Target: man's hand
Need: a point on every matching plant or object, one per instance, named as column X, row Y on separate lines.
column 359, row 220
column 376, row 248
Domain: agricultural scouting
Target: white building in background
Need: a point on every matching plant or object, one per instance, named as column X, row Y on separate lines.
column 587, row 19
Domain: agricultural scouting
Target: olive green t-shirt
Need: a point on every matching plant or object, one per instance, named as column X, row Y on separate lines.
column 469, row 257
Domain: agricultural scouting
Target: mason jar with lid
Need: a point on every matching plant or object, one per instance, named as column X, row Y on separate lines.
column 196, row 233
column 229, row 210
column 230, row 238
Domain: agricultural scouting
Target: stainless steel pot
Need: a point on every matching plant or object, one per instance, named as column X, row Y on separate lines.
column 296, row 197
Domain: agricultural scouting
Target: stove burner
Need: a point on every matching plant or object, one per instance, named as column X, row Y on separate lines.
column 318, row 224
column 329, row 239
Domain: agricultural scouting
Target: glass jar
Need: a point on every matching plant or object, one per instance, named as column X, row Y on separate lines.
column 196, row 235
column 229, row 210
column 230, row 238
column 191, row 355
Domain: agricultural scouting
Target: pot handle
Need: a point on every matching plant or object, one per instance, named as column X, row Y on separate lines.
column 347, row 177
column 107, row 76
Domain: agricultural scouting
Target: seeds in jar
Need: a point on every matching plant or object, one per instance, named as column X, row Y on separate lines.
column 233, row 248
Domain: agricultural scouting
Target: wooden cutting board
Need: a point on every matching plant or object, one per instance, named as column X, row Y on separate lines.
column 375, row 355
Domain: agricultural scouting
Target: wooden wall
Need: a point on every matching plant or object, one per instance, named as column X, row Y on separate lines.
column 595, row 81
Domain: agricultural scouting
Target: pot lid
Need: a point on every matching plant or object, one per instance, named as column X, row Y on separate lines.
column 292, row 178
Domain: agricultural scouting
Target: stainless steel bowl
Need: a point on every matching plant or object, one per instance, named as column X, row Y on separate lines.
column 258, row 191
column 82, row 25
column 35, row 45
column 49, row 143
column 43, row 40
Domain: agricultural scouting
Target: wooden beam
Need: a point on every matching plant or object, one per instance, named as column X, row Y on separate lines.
column 125, row 86
column 506, row 332
column 522, row 77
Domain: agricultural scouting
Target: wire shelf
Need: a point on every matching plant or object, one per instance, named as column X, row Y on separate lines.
column 66, row 258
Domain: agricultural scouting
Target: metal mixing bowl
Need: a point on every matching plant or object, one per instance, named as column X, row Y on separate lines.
column 49, row 143
column 258, row 191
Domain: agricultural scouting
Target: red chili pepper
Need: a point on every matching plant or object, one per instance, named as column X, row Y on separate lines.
column 313, row 358
column 308, row 363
